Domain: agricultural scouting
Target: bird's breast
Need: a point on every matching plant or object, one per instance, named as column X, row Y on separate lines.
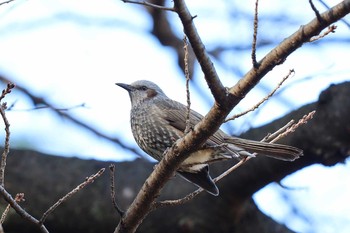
column 151, row 132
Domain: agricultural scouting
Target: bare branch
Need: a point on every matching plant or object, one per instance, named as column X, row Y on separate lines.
column 114, row 202
column 8, row 90
column 89, row 180
column 19, row 198
column 211, row 76
column 188, row 94
column 5, row 2
column 270, row 137
column 292, row 128
column 330, row 29
column 82, row 105
column 6, row 151
column 291, row 72
column 20, row 211
column 149, row 5
column 288, row 46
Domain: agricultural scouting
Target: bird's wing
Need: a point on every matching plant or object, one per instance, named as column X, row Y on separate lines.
column 175, row 115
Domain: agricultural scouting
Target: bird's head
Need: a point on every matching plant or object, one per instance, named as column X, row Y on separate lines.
column 141, row 91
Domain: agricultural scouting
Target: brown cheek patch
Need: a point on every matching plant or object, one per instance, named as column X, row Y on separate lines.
column 151, row 93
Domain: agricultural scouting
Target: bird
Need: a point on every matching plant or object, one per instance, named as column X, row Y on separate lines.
column 158, row 121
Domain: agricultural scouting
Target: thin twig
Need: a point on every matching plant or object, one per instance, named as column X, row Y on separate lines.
column 114, row 202
column 6, row 151
column 19, row 198
column 330, row 29
column 270, row 137
column 291, row 72
column 150, row 5
column 187, row 75
column 7, row 90
column 82, row 105
column 255, row 35
column 89, row 180
column 292, row 128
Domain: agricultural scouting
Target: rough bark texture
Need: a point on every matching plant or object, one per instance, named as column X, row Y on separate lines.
column 44, row 179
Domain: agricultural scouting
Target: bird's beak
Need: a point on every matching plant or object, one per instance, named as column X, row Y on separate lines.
column 126, row 86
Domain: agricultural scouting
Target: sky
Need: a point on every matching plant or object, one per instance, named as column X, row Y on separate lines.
column 73, row 53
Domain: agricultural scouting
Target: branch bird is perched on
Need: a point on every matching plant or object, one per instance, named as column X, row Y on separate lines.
column 158, row 121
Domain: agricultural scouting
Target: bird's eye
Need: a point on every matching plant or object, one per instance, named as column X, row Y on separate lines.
column 143, row 88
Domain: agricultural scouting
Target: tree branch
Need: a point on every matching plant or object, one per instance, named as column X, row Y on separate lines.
column 211, row 76
column 88, row 180
column 224, row 104
column 279, row 54
column 3, row 107
column 20, row 211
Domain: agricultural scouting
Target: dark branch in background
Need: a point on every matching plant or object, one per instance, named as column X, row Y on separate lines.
column 327, row 7
column 162, row 30
column 37, row 101
column 318, row 16
column 5, row 2
column 255, row 34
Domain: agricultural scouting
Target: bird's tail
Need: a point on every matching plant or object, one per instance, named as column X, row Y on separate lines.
column 277, row 151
